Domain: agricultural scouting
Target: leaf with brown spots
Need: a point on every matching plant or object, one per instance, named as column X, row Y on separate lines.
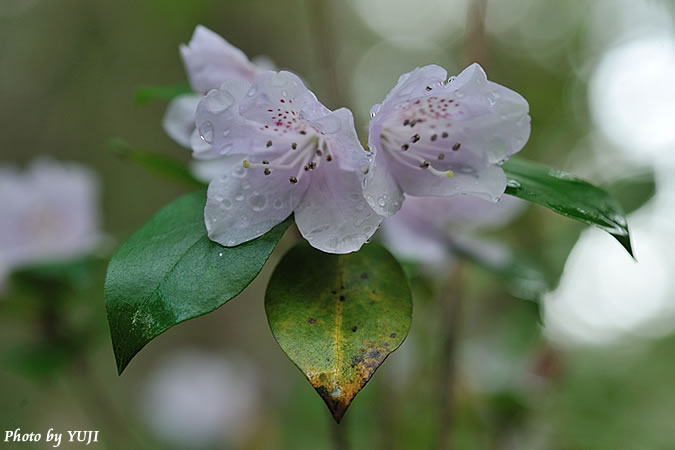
column 338, row 317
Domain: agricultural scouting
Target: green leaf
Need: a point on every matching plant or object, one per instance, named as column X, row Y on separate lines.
column 146, row 94
column 338, row 317
column 567, row 195
column 169, row 271
column 164, row 166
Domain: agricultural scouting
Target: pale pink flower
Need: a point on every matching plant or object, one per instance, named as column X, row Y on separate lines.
column 297, row 157
column 433, row 137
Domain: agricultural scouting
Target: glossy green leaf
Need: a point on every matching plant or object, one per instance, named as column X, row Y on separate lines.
column 567, row 195
column 146, row 94
column 161, row 165
column 169, row 271
column 338, row 317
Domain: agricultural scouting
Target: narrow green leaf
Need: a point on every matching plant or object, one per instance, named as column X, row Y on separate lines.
column 567, row 195
column 338, row 317
column 146, row 94
column 161, row 165
column 169, row 271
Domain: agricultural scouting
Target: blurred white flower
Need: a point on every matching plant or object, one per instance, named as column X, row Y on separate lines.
column 50, row 213
column 425, row 228
column 196, row 399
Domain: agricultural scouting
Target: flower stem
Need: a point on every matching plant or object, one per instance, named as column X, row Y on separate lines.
column 450, row 311
column 339, row 435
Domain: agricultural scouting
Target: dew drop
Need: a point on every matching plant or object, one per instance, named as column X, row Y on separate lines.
column 220, row 254
column 257, row 201
column 227, row 204
column 239, row 198
column 226, row 149
column 245, row 185
column 278, row 204
column 513, row 184
column 206, row 132
column 226, row 132
column 381, row 201
column 239, row 172
column 218, row 101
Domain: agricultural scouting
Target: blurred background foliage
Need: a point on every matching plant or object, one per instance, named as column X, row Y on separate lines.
column 590, row 368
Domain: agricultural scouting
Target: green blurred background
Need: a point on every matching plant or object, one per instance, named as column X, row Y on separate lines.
column 591, row 368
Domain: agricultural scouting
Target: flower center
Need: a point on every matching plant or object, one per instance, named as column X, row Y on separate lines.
column 420, row 133
column 303, row 157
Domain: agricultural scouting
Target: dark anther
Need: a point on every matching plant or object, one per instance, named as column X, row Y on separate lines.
column 406, row 122
column 424, row 164
column 405, row 147
column 292, row 179
column 303, row 132
column 456, row 146
column 329, row 157
column 265, row 161
column 318, row 152
column 434, row 137
column 354, row 329
column 416, row 138
column 267, row 171
column 312, row 165
column 306, row 167
column 269, row 143
column 428, row 88
column 445, row 134
column 294, row 145
column 441, row 156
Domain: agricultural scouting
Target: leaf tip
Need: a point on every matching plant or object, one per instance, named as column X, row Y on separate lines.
column 624, row 240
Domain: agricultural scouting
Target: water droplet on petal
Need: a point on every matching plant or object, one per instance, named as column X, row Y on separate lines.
column 227, row 204
column 226, row 132
column 206, row 132
column 239, row 197
column 218, row 101
column 257, row 201
column 381, row 201
column 513, row 184
column 278, row 204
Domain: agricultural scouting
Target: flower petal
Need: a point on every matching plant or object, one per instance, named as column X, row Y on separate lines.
column 179, row 118
column 280, row 92
column 219, row 124
column 413, row 85
column 207, row 170
column 244, row 204
column 209, row 60
column 483, row 180
column 344, row 143
column 333, row 215
column 408, row 241
column 381, row 190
